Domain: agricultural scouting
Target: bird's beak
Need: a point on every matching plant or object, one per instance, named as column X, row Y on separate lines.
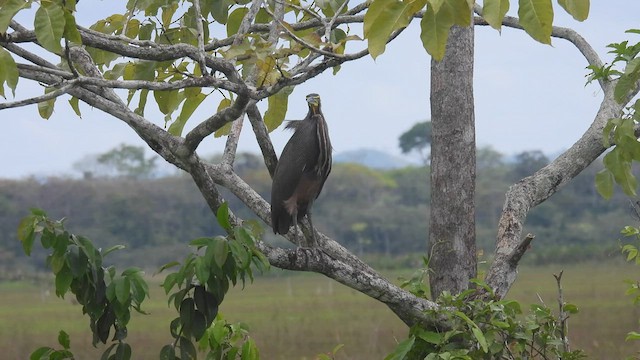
column 314, row 103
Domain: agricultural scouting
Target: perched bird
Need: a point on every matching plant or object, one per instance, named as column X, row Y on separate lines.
column 303, row 167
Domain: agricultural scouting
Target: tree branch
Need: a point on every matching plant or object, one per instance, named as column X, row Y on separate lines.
column 63, row 89
column 262, row 136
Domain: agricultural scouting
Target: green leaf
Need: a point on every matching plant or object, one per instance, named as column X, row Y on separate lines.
column 45, row 108
column 494, row 11
column 63, row 339
column 220, row 251
column 536, row 17
column 71, row 32
column 436, row 4
column 122, row 289
column 9, row 9
column 235, row 19
column 579, row 9
column 8, row 72
column 219, row 10
column 604, row 183
column 435, row 31
column 189, row 106
column 167, row 100
column 620, row 167
column 391, row 15
column 570, row 308
column 26, row 233
column 187, row 350
column 168, row 352
column 628, row 80
column 49, row 26
column 63, row 281
column 42, row 353
column 632, row 336
column 123, row 351
column 75, row 105
column 223, row 217
column 277, row 108
column 401, row 351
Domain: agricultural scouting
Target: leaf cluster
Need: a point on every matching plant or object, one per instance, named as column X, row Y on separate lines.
column 632, row 253
column 198, row 288
column 106, row 297
column 621, row 131
column 481, row 327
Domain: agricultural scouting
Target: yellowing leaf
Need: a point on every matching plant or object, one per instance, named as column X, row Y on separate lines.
column 277, row 109
column 494, row 11
column 45, row 108
column 435, row 31
column 8, row 72
column 436, row 4
column 460, row 11
column 579, row 9
column 392, row 16
column 536, row 17
column 75, row 106
column 49, row 26
column 226, row 128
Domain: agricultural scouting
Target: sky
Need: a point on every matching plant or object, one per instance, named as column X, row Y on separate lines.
column 528, row 96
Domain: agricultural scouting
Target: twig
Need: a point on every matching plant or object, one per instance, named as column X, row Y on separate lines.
column 200, row 37
column 42, row 98
column 563, row 317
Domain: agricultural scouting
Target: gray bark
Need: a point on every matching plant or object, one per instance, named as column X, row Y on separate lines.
column 452, row 223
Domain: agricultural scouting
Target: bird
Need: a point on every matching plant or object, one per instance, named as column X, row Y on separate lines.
column 303, row 168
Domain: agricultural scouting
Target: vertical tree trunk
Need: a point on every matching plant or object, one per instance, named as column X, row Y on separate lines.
column 453, row 167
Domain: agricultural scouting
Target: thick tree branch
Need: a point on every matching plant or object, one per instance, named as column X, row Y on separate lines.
column 262, row 136
column 535, row 189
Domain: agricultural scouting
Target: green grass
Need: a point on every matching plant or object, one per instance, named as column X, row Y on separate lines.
column 299, row 316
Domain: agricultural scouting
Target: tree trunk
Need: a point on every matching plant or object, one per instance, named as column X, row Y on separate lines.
column 453, row 167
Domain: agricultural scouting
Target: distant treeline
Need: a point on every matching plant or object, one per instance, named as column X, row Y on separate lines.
column 384, row 213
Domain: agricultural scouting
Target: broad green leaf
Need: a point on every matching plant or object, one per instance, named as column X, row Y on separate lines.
column 620, row 167
column 604, row 183
column 226, row 128
column 460, row 11
column 235, row 19
column 8, row 72
column 71, row 32
column 219, row 10
column 579, row 9
column 394, row 15
column 75, row 105
column 375, row 10
column 220, row 251
column 63, row 339
column 9, row 9
column 435, row 31
column 277, row 108
column 401, row 351
column 49, row 26
column 133, row 28
column 494, row 11
column 142, row 102
column 122, row 289
column 633, row 335
column 436, row 4
column 628, row 80
column 45, row 108
column 63, row 281
column 146, row 30
column 189, row 106
column 536, row 17
column 222, row 216
column 168, row 352
column 167, row 100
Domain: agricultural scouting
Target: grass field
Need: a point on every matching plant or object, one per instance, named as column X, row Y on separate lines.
column 296, row 317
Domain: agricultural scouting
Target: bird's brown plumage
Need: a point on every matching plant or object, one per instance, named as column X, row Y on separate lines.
column 302, row 169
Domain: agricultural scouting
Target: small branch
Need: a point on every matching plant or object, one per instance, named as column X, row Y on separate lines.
column 563, row 317
column 64, row 89
column 215, row 122
column 262, row 136
column 200, row 37
column 231, row 146
column 329, row 25
column 245, row 25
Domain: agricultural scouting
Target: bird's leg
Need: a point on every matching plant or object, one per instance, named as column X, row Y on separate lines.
column 314, row 241
column 294, row 215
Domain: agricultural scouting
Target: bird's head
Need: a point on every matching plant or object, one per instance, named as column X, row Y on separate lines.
column 314, row 103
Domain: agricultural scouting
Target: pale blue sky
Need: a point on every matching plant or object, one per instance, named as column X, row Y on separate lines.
column 528, row 96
